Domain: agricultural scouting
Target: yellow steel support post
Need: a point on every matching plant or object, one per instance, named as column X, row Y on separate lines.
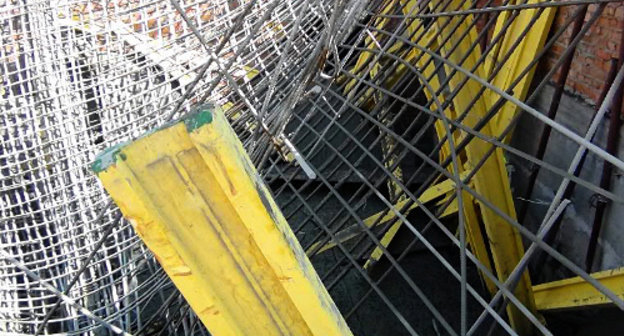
column 490, row 180
column 576, row 293
column 195, row 199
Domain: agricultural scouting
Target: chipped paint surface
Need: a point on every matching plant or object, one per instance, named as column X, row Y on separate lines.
column 202, row 115
column 201, row 118
column 107, row 158
column 194, row 198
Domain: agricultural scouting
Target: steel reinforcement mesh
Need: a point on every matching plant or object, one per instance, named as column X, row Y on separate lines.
column 351, row 112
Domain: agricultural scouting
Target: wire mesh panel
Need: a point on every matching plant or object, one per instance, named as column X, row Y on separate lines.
column 425, row 153
column 79, row 76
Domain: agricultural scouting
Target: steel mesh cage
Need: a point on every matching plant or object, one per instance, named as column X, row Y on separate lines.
column 411, row 145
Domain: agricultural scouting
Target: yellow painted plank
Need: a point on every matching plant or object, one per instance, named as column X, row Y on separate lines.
column 433, row 192
column 490, row 181
column 425, row 62
column 384, row 241
column 251, row 72
column 513, row 65
column 575, row 293
column 387, row 142
column 395, row 192
column 371, row 43
column 194, row 198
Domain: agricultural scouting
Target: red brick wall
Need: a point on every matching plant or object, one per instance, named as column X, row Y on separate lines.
column 591, row 59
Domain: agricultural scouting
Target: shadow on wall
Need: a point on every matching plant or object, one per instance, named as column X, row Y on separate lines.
column 573, row 236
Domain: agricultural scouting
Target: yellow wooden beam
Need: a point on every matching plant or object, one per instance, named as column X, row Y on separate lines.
column 575, row 293
column 387, row 142
column 195, row 199
column 372, row 42
column 428, row 39
column 524, row 53
column 434, row 192
column 390, row 158
column 490, row 180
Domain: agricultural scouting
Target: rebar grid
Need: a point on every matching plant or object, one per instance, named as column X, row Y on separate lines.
column 338, row 141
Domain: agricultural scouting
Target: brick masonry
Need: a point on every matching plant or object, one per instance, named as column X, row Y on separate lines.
column 591, row 58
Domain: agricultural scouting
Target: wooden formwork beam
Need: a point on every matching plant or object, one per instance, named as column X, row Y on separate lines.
column 427, row 64
column 490, row 180
column 194, row 198
column 576, row 293
column 437, row 191
column 515, row 53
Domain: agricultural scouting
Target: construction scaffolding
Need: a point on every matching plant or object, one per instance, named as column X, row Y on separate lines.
column 391, row 134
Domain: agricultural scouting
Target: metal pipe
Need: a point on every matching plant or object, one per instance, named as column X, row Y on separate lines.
column 552, row 113
column 607, row 168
